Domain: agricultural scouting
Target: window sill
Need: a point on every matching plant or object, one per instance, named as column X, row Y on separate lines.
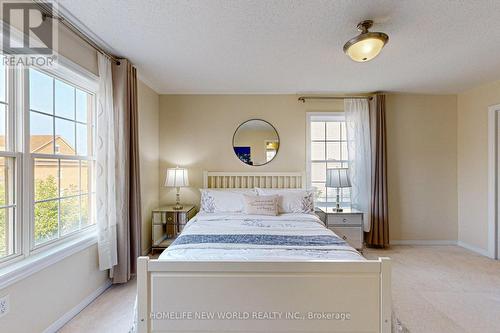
column 25, row 267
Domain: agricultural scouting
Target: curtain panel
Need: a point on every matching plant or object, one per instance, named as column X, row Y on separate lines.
column 378, row 236
column 129, row 226
column 117, row 176
column 357, row 117
column 106, row 177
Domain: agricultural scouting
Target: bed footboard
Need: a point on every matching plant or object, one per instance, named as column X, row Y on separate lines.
column 316, row 296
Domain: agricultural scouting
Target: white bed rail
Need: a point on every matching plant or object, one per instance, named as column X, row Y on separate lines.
column 234, row 296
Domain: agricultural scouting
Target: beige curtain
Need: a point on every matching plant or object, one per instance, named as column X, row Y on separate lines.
column 378, row 236
column 129, row 225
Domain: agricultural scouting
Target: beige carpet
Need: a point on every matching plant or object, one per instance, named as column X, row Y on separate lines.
column 435, row 289
column 444, row 289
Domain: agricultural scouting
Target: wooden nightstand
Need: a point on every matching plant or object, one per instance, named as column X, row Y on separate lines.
column 348, row 225
column 167, row 223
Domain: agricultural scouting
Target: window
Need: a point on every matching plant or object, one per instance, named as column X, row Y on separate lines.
column 61, row 127
column 327, row 148
column 47, row 125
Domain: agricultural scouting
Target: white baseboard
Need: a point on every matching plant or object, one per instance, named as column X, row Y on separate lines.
column 59, row 323
column 422, row 242
column 473, row 248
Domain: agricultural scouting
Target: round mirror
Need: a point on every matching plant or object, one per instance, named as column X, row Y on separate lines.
column 256, row 142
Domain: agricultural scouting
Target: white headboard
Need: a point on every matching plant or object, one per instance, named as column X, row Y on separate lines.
column 217, row 179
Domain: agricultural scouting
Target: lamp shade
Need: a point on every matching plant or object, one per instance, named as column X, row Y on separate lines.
column 338, row 178
column 366, row 45
column 176, row 177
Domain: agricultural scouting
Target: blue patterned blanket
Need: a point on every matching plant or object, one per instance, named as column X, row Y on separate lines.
column 260, row 239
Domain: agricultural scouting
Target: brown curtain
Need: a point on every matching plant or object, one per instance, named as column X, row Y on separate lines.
column 129, row 226
column 378, row 236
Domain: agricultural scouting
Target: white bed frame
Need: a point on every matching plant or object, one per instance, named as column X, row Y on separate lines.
column 278, row 296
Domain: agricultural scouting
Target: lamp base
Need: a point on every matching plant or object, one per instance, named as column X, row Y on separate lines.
column 178, row 206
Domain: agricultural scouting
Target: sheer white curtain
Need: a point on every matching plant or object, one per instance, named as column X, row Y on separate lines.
column 106, row 172
column 357, row 118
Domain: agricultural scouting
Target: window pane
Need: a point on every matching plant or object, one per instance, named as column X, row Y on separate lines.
column 69, row 176
column 318, row 172
column 346, row 194
column 3, row 121
column 345, row 155
column 6, row 181
column 317, row 130
column 85, row 211
column 7, row 232
column 65, row 137
column 318, row 151
column 70, row 215
column 46, row 226
column 333, row 150
column 343, row 131
column 41, row 92
column 41, row 131
column 333, row 130
column 82, row 105
column 84, row 177
column 320, row 191
column 46, row 179
column 83, row 139
column 3, row 83
column 65, row 100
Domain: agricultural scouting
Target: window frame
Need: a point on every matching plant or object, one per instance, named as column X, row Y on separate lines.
column 329, row 116
column 92, row 89
column 18, row 130
column 11, row 151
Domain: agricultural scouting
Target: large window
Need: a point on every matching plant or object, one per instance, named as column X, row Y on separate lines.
column 327, row 148
column 47, row 125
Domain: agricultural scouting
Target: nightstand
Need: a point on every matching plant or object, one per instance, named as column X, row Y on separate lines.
column 167, row 223
column 348, row 225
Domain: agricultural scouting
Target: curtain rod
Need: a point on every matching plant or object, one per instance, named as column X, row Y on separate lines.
column 48, row 13
column 304, row 98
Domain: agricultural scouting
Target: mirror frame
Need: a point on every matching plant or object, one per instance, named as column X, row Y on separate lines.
column 277, row 134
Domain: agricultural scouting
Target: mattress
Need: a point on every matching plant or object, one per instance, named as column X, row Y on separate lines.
column 241, row 237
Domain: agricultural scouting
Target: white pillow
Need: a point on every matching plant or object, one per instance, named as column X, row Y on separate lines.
column 261, row 204
column 223, row 200
column 291, row 200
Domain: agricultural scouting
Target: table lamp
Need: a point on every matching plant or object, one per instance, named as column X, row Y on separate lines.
column 177, row 177
column 338, row 178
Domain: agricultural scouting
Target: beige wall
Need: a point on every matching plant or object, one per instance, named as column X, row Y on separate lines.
column 196, row 132
column 42, row 298
column 148, row 106
column 422, row 166
column 473, row 163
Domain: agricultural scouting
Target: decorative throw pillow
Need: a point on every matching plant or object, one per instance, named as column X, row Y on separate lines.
column 292, row 200
column 261, row 204
column 223, row 201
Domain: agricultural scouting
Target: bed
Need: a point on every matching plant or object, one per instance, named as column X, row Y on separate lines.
column 234, row 272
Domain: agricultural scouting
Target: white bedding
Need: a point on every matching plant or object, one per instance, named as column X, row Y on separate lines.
column 291, row 225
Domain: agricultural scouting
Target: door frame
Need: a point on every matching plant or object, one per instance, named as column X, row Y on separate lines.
column 493, row 181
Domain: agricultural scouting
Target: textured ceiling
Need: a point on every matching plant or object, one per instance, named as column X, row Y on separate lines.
column 280, row 46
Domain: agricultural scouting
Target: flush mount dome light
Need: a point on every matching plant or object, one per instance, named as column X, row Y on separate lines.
column 367, row 45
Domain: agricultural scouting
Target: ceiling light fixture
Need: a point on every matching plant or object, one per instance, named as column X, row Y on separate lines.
column 367, row 45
